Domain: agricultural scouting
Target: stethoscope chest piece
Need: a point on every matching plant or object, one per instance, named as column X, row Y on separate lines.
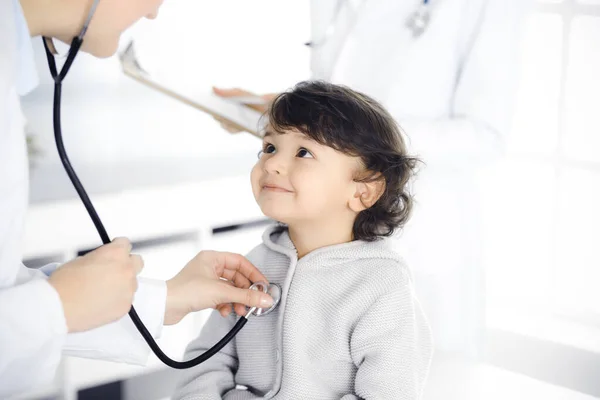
column 418, row 21
column 273, row 290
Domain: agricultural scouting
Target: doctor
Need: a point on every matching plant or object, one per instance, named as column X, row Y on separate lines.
column 446, row 70
column 80, row 307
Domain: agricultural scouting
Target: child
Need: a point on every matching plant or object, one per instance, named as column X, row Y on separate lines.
column 333, row 171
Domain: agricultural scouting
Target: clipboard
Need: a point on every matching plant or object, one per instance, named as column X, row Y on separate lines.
column 232, row 112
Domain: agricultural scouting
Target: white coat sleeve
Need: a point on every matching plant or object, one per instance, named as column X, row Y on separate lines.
column 485, row 90
column 33, row 331
column 120, row 340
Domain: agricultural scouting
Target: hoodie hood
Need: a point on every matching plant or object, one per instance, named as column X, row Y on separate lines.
column 277, row 238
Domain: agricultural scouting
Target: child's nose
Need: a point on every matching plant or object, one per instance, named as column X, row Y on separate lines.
column 276, row 164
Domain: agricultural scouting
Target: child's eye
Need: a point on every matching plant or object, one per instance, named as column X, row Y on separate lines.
column 267, row 149
column 303, row 153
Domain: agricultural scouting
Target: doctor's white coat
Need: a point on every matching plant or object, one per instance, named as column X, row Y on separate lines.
column 33, row 333
column 452, row 92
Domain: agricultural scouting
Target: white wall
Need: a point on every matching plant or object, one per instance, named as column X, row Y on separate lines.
column 108, row 117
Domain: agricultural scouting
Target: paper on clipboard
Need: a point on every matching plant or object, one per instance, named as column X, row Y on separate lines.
column 234, row 113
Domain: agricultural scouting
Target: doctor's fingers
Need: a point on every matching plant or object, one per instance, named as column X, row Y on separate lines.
column 137, row 262
column 118, row 249
column 231, row 264
column 251, row 298
column 240, row 309
column 120, row 244
column 131, row 269
column 236, row 278
column 226, row 308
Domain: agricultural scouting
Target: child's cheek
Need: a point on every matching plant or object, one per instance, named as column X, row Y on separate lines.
column 254, row 179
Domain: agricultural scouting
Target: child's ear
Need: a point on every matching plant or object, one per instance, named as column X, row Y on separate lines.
column 367, row 193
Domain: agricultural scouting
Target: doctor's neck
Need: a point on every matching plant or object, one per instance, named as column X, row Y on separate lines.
column 56, row 19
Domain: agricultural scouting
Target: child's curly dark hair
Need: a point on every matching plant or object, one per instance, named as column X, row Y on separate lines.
column 357, row 125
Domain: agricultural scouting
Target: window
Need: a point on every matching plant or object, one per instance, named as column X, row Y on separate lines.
column 542, row 255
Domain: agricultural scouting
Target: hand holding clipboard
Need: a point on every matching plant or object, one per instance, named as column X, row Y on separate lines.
column 236, row 110
column 259, row 103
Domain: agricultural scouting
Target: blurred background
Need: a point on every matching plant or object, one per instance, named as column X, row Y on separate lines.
column 173, row 181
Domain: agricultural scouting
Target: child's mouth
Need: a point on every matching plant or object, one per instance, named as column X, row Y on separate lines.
column 278, row 189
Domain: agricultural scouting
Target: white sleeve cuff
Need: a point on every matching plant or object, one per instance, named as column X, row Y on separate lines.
column 120, row 341
column 150, row 302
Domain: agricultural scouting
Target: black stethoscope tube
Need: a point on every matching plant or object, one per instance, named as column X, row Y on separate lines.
column 58, row 79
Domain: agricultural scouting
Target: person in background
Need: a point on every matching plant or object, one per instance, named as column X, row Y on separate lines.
column 447, row 71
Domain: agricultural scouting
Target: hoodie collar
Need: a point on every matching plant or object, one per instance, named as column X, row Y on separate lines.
column 276, row 238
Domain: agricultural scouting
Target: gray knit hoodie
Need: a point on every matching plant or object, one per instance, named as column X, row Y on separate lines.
column 348, row 327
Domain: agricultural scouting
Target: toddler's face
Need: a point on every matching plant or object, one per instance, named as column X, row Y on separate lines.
column 297, row 180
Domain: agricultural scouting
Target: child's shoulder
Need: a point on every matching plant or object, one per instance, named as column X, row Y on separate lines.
column 384, row 268
column 393, row 270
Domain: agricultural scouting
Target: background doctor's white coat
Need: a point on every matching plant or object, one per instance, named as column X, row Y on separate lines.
column 452, row 91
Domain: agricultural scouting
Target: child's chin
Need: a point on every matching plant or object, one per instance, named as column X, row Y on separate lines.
column 276, row 214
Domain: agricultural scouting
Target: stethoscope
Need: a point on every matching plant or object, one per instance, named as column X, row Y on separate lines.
column 417, row 22
column 272, row 289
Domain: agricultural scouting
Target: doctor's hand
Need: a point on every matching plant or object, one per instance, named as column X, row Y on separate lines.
column 98, row 288
column 213, row 279
column 240, row 92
